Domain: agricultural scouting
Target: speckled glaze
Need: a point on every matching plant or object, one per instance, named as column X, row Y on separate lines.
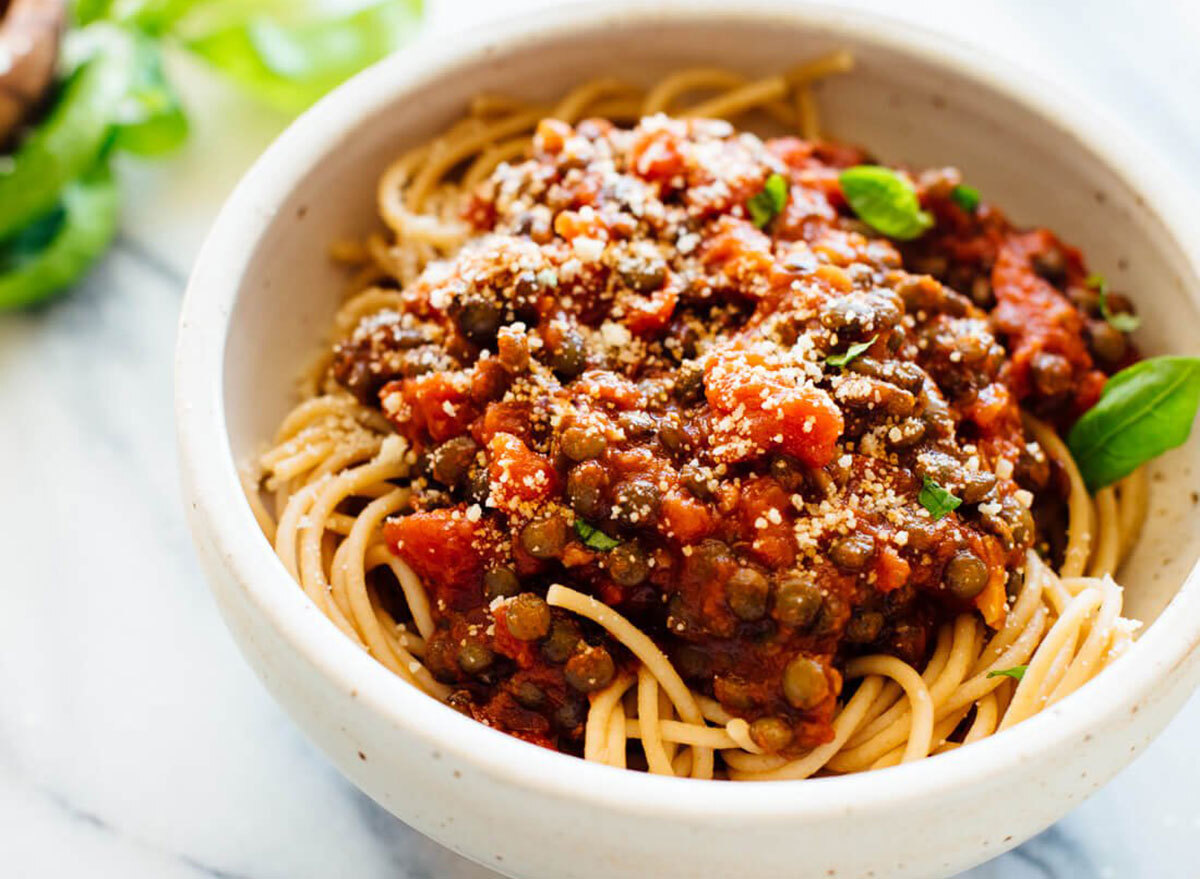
column 261, row 298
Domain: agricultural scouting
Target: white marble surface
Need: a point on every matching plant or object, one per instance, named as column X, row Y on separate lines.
column 133, row 740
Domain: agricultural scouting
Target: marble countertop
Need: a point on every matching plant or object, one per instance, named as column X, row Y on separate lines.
column 135, row 743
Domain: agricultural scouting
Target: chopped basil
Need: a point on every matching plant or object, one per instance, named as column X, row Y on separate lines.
column 1143, row 411
column 1017, row 672
column 966, row 197
column 841, row 361
column 937, row 500
column 1121, row 320
column 885, row 201
column 766, row 205
column 594, row 538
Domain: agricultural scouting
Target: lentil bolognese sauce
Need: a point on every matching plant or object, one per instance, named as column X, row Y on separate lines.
column 658, row 443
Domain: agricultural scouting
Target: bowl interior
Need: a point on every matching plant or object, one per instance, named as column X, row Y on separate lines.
column 908, row 106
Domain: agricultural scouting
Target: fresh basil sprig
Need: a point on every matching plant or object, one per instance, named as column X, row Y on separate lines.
column 58, row 202
column 766, row 205
column 937, row 500
column 594, row 538
column 1143, row 411
column 291, row 54
column 885, row 201
column 1017, row 672
column 1120, row 320
column 66, row 145
column 841, row 361
column 285, row 52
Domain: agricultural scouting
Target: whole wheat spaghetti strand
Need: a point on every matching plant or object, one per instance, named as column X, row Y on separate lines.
column 645, row 650
column 1079, row 531
column 651, row 734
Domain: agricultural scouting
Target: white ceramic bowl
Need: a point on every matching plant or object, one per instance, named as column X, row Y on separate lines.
column 259, row 306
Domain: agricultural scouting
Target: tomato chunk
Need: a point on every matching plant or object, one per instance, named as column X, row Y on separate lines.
column 766, row 520
column 891, row 571
column 428, row 408
column 685, row 518
column 656, row 154
column 760, row 407
column 439, row 545
column 646, row 315
column 510, row 418
column 741, row 252
column 520, row 477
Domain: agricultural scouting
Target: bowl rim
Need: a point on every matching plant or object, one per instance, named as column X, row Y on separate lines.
column 214, row 492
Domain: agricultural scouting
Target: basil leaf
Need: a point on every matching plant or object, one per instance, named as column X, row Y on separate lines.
column 290, row 59
column 766, row 205
column 87, row 11
column 60, row 248
column 27, row 244
column 966, row 197
column 842, row 360
column 937, row 500
column 151, row 17
column 68, row 142
column 150, row 119
column 1122, row 321
column 1143, row 411
column 1017, row 672
column 594, row 538
column 885, row 201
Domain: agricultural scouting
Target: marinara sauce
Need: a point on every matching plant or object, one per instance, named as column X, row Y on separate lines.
column 771, row 443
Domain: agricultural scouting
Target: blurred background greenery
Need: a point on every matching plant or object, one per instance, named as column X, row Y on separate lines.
column 85, row 81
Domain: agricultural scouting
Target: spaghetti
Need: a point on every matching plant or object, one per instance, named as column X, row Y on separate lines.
column 352, row 459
